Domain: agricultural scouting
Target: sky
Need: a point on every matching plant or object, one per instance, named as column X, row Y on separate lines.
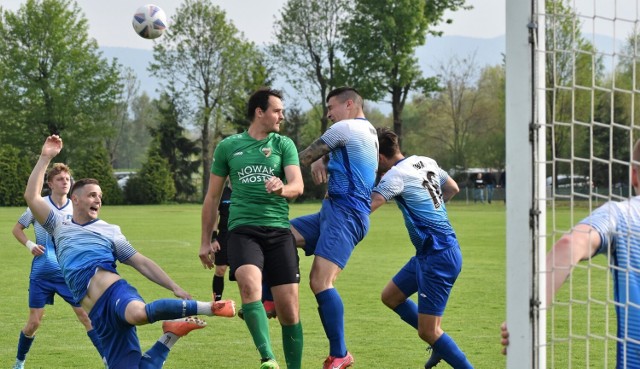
column 110, row 21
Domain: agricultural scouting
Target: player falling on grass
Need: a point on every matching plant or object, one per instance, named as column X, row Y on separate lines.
column 87, row 249
column 612, row 230
column 264, row 172
column 46, row 280
column 420, row 188
column 343, row 220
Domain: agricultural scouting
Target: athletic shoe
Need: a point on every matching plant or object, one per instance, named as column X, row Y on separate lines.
column 338, row 362
column 225, row 308
column 434, row 359
column 181, row 327
column 269, row 308
column 269, row 364
column 19, row 364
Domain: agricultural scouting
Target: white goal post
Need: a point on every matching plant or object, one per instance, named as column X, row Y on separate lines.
column 572, row 83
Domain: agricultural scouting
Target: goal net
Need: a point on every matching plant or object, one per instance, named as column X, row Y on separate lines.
column 573, row 80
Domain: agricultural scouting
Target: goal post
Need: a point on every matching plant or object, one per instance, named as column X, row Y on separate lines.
column 526, row 215
column 572, row 84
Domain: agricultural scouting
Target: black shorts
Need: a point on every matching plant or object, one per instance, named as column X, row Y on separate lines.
column 221, row 255
column 273, row 250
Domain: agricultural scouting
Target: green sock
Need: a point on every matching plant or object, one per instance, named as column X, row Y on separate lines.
column 292, row 343
column 256, row 319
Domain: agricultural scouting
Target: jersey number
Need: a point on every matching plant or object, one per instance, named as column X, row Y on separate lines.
column 431, row 184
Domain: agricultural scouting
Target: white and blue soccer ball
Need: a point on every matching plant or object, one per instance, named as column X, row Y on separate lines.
column 149, row 21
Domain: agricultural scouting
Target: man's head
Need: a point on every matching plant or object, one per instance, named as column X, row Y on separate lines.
column 86, row 196
column 344, row 103
column 265, row 108
column 59, row 179
column 389, row 148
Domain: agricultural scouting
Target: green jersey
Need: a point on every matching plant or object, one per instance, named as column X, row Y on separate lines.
column 249, row 163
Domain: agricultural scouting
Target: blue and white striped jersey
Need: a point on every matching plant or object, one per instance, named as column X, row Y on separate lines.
column 618, row 224
column 416, row 183
column 45, row 266
column 353, row 162
column 82, row 248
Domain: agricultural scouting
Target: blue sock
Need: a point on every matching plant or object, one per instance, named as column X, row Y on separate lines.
column 93, row 336
column 155, row 357
column 24, row 344
column 266, row 292
column 451, row 353
column 331, row 311
column 408, row 312
column 167, row 309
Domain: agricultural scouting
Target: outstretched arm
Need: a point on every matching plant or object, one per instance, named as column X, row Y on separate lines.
column 36, row 203
column 580, row 244
column 154, row 273
column 377, row 201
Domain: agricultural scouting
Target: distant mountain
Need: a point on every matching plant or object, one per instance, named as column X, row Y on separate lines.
column 437, row 50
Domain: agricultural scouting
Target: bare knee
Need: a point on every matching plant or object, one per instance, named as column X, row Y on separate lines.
column 33, row 323
column 135, row 313
column 430, row 334
column 392, row 296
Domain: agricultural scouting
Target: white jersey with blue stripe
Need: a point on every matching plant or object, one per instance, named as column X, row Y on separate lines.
column 83, row 248
column 353, row 162
column 416, row 183
column 618, row 224
column 46, row 265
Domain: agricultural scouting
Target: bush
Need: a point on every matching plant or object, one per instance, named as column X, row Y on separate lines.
column 153, row 184
column 95, row 164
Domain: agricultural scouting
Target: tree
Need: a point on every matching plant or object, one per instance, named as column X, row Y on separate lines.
column 381, row 55
column 207, row 63
column 118, row 119
column 93, row 162
column 176, row 148
column 52, row 77
column 15, row 169
column 153, row 184
column 306, row 51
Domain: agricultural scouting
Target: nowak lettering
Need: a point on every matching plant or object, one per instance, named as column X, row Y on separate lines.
column 255, row 174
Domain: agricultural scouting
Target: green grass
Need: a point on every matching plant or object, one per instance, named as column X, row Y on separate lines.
column 375, row 335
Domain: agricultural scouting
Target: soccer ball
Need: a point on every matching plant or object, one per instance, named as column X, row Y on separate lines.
column 149, row 21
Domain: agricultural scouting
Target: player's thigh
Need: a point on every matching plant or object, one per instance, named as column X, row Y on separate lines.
column 286, row 299
column 340, row 231
column 281, row 257
column 306, row 230
column 244, row 247
column 436, row 274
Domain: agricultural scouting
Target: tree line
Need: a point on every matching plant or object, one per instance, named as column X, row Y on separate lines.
column 53, row 79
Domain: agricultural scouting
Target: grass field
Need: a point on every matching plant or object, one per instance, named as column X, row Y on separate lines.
column 375, row 335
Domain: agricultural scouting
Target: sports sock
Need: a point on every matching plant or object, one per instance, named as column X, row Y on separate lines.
column 155, row 357
column 331, row 311
column 292, row 342
column 24, row 344
column 218, row 287
column 167, row 309
column 256, row 319
column 408, row 311
column 446, row 347
column 93, row 336
column 169, row 339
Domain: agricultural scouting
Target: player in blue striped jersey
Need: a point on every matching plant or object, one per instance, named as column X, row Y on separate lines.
column 612, row 230
column 420, row 189
column 87, row 249
column 343, row 220
column 45, row 279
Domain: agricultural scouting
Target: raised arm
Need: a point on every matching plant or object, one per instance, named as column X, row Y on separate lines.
column 36, row 203
column 314, row 155
column 580, row 244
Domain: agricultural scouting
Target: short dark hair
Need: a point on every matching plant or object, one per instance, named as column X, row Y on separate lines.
column 345, row 93
column 81, row 183
column 388, row 141
column 260, row 99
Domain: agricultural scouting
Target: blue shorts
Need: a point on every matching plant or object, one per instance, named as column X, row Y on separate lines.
column 332, row 233
column 42, row 291
column 432, row 276
column 119, row 338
